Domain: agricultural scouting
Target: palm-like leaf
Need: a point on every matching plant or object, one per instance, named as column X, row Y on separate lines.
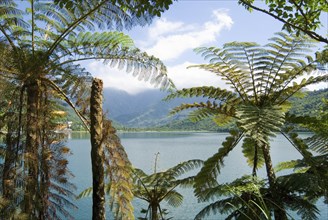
column 262, row 79
column 260, row 122
column 206, row 178
column 44, row 50
column 238, row 202
column 161, row 186
column 118, row 172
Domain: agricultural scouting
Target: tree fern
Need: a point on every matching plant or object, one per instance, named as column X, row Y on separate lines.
column 261, row 79
column 161, row 186
column 118, row 173
column 206, row 178
column 43, row 53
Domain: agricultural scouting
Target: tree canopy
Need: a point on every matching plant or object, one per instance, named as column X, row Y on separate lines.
column 262, row 80
column 297, row 15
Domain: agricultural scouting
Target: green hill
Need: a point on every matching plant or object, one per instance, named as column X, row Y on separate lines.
column 147, row 111
column 309, row 104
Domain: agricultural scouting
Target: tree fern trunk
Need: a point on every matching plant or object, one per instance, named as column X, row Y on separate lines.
column 9, row 173
column 96, row 116
column 32, row 145
column 279, row 210
column 154, row 215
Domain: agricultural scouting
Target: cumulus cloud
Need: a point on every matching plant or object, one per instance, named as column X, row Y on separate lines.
column 163, row 27
column 117, row 79
column 184, row 77
column 174, row 38
column 168, row 40
column 181, row 76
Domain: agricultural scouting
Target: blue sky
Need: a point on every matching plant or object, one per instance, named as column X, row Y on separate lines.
column 186, row 25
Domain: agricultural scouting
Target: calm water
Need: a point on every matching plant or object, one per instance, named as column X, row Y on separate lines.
column 173, row 148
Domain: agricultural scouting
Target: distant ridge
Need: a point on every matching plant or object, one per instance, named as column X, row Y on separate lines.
column 148, row 110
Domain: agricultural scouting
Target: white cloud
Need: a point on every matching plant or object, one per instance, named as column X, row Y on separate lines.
column 168, row 40
column 117, row 79
column 186, row 78
column 183, row 37
column 163, row 26
column 181, row 76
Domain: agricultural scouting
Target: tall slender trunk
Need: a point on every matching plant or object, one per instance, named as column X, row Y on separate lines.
column 9, row 172
column 8, row 177
column 154, row 215
column 44, row 158
column 96, row 117
column 279, row 210
column 32, row 146
column 255, row 161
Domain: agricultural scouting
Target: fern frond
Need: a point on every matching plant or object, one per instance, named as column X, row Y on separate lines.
column 206, row 177
column 286, row 165
column 260, row 122
column 204, row 91
column 223, row 206
column 85, row 193
column 119, row 173
column 117, row 50
column 318, row 143
column 184, row 167
column 174, row 199
column 252, row 153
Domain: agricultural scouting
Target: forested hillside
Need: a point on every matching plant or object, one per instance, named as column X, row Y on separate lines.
column 310, row 103
column 148, row 110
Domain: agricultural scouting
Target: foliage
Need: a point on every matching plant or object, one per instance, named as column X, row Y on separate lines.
column 310, row 104
column 249, row 198
column 41, row 45
column 118, row 173
column 161, row 186
column 298, row 16
column 242, row 200
column 262, row 80
column 54, row 197
column 139, row 9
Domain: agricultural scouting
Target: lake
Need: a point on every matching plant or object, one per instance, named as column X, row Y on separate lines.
column 173, row 148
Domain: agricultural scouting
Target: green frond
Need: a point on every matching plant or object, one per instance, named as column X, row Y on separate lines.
column 318, row 143
column 118, row 51
column 223, row 206
column 173, row 198
column 186, row 182
column 222, row 120
column 293, row 88
column 252, row 153
column 313, row 177
column 200, row 114
column 306, row 209
column 184, row 167
column 260, row 122
column 226, row 99
column 118, row 171
column 85, row 193
column 204, row 91
column 286, row 165
column 206, row 178
column 205, row 110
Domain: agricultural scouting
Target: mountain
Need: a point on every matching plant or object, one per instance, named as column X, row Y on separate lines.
column 142, row 110
column 148, row 110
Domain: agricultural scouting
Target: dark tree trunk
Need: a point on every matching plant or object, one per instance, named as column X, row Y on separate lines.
column 9, row 171
column 32, row 146
column 279, row 210
column 154, row 215
column 8, row 175
column 96, row 117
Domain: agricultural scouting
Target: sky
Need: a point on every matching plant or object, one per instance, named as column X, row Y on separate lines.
column 189, row 24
